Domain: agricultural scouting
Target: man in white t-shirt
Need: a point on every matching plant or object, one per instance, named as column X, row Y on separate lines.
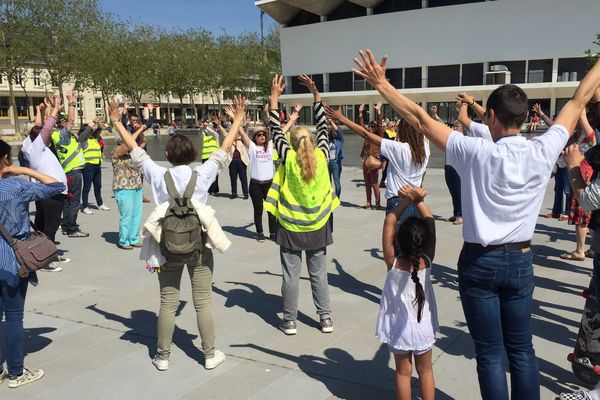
column 502, row 185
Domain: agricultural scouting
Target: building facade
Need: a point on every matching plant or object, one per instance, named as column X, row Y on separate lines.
column 435, row 48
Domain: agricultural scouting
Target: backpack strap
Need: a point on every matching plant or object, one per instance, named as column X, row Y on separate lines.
column 7, row 235
column 189, row 189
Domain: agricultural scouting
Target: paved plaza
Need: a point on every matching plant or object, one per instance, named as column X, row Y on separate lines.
column 92, row 327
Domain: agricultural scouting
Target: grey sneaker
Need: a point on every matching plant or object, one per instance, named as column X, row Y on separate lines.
column 288, row 327
column 161, row 364
column 3, row 376
column 79, row 234
column 26, row 377
column 52, row 267
column 213, row 362
column 260, row 238
column 583, row 395
column 326, row 325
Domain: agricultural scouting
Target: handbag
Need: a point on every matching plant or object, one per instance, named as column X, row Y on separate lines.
column 32, row 254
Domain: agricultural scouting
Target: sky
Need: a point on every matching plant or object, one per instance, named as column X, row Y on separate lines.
column 234, row 16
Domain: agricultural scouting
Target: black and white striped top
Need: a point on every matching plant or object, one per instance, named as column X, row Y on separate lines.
column 281, row 143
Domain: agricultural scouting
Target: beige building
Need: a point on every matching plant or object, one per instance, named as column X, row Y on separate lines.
column 32, row 86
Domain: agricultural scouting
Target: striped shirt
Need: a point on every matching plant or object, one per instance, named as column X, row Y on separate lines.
column 15, row 195
column 281, row 143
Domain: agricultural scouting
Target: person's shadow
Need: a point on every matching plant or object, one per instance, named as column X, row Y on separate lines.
column 142, row 330
column 258, row 302
column 345, row 377
column 34, row 341
column 242, row 231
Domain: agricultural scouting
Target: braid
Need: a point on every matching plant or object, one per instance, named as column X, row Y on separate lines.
column 417, row 253
column 411, row 238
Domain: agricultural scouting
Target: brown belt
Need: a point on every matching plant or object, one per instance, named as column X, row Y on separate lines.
column 492, row 247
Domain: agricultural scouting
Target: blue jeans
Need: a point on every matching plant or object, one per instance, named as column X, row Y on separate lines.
column 335, row 171
column 411, row 211
column 72, row 202
column 562, row 186
column 92, row 174
column 496, row 290
column 12, row 303
column 129, row 202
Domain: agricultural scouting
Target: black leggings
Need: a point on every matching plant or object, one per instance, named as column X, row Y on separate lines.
column 258, row 192
column 47, row 215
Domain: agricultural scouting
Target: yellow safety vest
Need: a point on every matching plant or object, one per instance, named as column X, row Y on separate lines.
column 69, row 156
column 93, row 152
column 209, row 145
column 300, row 206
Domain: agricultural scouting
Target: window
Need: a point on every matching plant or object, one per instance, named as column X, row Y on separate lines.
column 569, row 68
column 472, row 74
column 347, row 10
column 1, row 79
column 37, row 78
column 340, row 82
column 443, row 75
column 22, row 108
column 388, row 6
column 516, row 68
column 412, row 78
column 442, row 3
column 539, row 71
column 394, row 75
column 79, row 102
column 4, row 107
column 36, row 101
column 98, row 103
column 18, row 79
column 360, row 83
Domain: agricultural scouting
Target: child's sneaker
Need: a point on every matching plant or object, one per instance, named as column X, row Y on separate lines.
column 212, row 363
column 288, row 327
column 326, row 325
column 26, row 377
column 161, row 364
column 3, row 376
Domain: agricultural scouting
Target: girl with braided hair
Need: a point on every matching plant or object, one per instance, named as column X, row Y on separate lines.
column 408, row 319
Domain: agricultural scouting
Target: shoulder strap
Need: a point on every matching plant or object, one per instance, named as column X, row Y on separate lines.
column 171, row 189
column 6, row 235
column 191, row 186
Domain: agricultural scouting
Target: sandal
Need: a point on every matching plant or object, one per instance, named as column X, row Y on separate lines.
column 367, row 206
column 572, row 256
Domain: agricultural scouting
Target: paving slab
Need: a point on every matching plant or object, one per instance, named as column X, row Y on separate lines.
column 92, row 327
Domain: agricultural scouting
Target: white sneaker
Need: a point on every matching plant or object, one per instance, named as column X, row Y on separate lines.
column 211, row 363
column 52, row 267
column 104, row 208
column 63, row 259
column 161, row 364
column 3, row 375
column 87, row 211
column 26, row 377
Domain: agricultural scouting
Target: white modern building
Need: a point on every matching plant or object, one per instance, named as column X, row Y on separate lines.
column 436, row 48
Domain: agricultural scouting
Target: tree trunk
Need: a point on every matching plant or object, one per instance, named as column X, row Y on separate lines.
column 104, row 100
column 27, row 99
column 183, row 114
column 169, row 119
column 194, row 108
column 13, row 103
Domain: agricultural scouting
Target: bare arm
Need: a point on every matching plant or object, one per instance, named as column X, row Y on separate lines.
column 374, row 73
column 53, row 106
column 587, row 128
column 38, row 176
column 72, row 102
column 389, row 232
column 245, row 139
column 464, row 97
column 570, row 113
column 38, row 115
column 291, row 122
column 240, row 113
column 463, row 116
column 361, row 130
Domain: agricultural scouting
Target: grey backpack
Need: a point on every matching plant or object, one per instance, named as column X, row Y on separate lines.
column 181, row 238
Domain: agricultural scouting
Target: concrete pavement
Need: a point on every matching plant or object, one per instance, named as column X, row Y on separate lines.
column 92, row 327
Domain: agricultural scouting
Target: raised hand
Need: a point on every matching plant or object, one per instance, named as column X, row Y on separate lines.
column 369, row 69
column 307, row 81
column 230, row 111
column 333, row 113
column 465, row 98
column 298, row 107
column 361, row 108
column 240, row 106
column 537, row 108
column 573, row 156
column 415, row 194
column 277, row 86
column 72, row 98
column 378, row 106
column 114, row 111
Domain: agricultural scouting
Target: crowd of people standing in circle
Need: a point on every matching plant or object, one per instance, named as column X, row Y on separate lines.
column 496, row 178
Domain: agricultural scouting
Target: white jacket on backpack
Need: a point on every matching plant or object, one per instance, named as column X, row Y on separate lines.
column 152, row 229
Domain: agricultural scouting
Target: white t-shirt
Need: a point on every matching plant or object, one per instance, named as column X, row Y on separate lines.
column 42, row 159
column 503, row 183
column 480, row 130
column 401, row 170
column 261, row 162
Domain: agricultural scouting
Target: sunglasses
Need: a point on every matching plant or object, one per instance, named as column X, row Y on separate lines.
column 260, row 134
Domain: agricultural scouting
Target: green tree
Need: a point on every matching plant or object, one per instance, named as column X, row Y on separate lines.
column 592, row 57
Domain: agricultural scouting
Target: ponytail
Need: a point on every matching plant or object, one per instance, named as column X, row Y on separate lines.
column 411, row 237
column 303, row 144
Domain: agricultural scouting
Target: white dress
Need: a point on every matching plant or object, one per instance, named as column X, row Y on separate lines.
column 397, row 323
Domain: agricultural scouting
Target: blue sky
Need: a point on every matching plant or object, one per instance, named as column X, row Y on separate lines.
column 235, row 16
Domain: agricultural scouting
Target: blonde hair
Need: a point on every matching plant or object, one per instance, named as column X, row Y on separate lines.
column 304, row 145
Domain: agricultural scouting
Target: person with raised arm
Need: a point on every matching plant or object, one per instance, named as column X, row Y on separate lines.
column 302, row 199
column 503, row 182
column 180, row 152
column 407, row 157
column 15, row 196
column 89, row 137
column 336, row 155
column 41, row 158
column 370, row 155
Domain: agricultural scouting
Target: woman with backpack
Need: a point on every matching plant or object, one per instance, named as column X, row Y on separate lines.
column 15, row 196
column 302, row 199
column 180, row 152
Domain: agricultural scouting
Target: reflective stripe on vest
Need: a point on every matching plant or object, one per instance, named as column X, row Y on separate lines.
column 301, row 206
column 209, row 145
column 69, row 156
column 93, row 152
